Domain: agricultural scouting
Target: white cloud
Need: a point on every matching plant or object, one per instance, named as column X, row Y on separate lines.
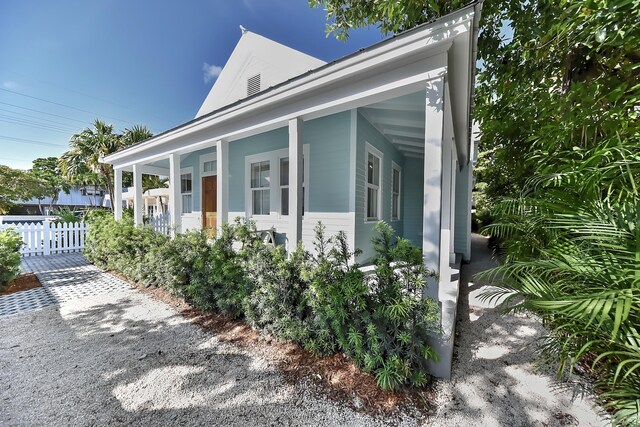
column 211, row 72
column 9, row 84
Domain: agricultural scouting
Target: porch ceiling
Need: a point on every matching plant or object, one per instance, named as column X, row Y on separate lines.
column 401, row 121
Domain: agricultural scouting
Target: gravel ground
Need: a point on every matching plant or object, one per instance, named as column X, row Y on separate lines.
column 494, row 381
column 122, row 358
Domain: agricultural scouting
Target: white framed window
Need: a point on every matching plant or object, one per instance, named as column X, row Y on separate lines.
column 284, row 185
column 186, row 189
column 396, row 185
column 208, row 164
column 267, row 182
column 373, row 187
column 261, row 188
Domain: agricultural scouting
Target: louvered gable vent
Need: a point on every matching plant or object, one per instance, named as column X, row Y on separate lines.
column 253, row 85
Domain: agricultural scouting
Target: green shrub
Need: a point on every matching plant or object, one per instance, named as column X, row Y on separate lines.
column 278, row 303
column 324, row 302
column 381, row 321
column 10, row 244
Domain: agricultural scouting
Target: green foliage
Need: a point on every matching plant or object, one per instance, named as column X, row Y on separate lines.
column 557, row 100
column 82, row 162
column 381, row 321
column 15, row 186
column 324, row 301
column 49, row 180
column 66, row 215
column 390, row 16
column 10, row 244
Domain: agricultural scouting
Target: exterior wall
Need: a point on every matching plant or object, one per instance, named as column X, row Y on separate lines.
column 413, row 181
column 366, row 133
column 327, row 139
column 462, row 225
column 193, row 220
column 73, row 199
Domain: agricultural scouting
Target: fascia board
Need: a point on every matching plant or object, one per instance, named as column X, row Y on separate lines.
column 432, row 39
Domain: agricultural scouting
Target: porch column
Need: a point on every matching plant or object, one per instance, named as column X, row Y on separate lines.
column 452, row 197
column 116, row 197
column 222, row 181
column 175, row 196
column 295, row 183
column 137, row 195
column 434, row 162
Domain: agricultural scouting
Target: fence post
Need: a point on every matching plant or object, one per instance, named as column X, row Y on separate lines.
column 46, row 237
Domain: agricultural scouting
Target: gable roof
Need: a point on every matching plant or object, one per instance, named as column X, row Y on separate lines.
column 255, row 55
column 430, row 39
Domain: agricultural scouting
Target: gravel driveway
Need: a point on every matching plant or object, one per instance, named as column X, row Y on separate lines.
column 122, row 358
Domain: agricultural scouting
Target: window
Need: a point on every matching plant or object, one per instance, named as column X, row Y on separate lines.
column 395, row 192
column 186, row 180
column 253, row 85
column 209, row 166
column 372, row 195
column 267, row 182
column 284, row 186
column 260, row 188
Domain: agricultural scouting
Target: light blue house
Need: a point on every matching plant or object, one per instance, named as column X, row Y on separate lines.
column 283, row 138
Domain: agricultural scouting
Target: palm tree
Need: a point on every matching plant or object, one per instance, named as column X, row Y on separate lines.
column 149, row 182
column 87, row 147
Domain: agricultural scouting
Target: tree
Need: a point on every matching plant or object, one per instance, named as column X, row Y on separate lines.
column 15, row 185
column 87, row 147
column 558, row 100
column 50, row 181
column 149, row 182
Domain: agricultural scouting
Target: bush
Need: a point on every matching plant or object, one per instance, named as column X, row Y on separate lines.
column 381, row 321
column 324, row 302
column 10, row 244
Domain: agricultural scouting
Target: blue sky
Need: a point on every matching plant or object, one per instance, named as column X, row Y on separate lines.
column 64, row 63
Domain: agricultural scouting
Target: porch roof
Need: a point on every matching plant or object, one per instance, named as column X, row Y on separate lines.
column 429, row 42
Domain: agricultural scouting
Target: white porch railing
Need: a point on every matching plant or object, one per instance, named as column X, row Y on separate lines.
column 161, row 223
column 48, row 238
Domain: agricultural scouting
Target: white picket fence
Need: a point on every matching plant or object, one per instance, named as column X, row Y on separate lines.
column 48, row 238
column 161, row 223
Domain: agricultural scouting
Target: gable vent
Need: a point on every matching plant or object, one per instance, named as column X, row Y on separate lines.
column 253, row 85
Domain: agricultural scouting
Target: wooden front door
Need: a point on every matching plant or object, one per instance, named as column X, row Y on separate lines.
column 209, row 204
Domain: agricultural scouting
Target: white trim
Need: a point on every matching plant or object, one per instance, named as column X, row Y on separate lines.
column 353, row 161
column 419, row 54
column 370, row 149
column 274, row 166
column 396, row 167
column 208, row 157
column 185, row 171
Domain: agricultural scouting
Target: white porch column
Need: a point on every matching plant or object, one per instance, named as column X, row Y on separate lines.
column 175, row 196
column 116, row 197
column 295, row 183
column 137, row 195
column 222, row 193
column 434, row 162
column 452, row 198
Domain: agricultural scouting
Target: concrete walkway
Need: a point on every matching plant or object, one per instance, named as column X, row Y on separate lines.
column 495, row 382
column 63, row 277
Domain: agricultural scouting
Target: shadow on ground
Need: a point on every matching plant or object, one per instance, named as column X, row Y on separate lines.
column 121, row 359
column 495, row 382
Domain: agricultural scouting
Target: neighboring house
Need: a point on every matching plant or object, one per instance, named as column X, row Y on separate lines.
column 79, row 197
column 283, row 138
column 154, row 200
